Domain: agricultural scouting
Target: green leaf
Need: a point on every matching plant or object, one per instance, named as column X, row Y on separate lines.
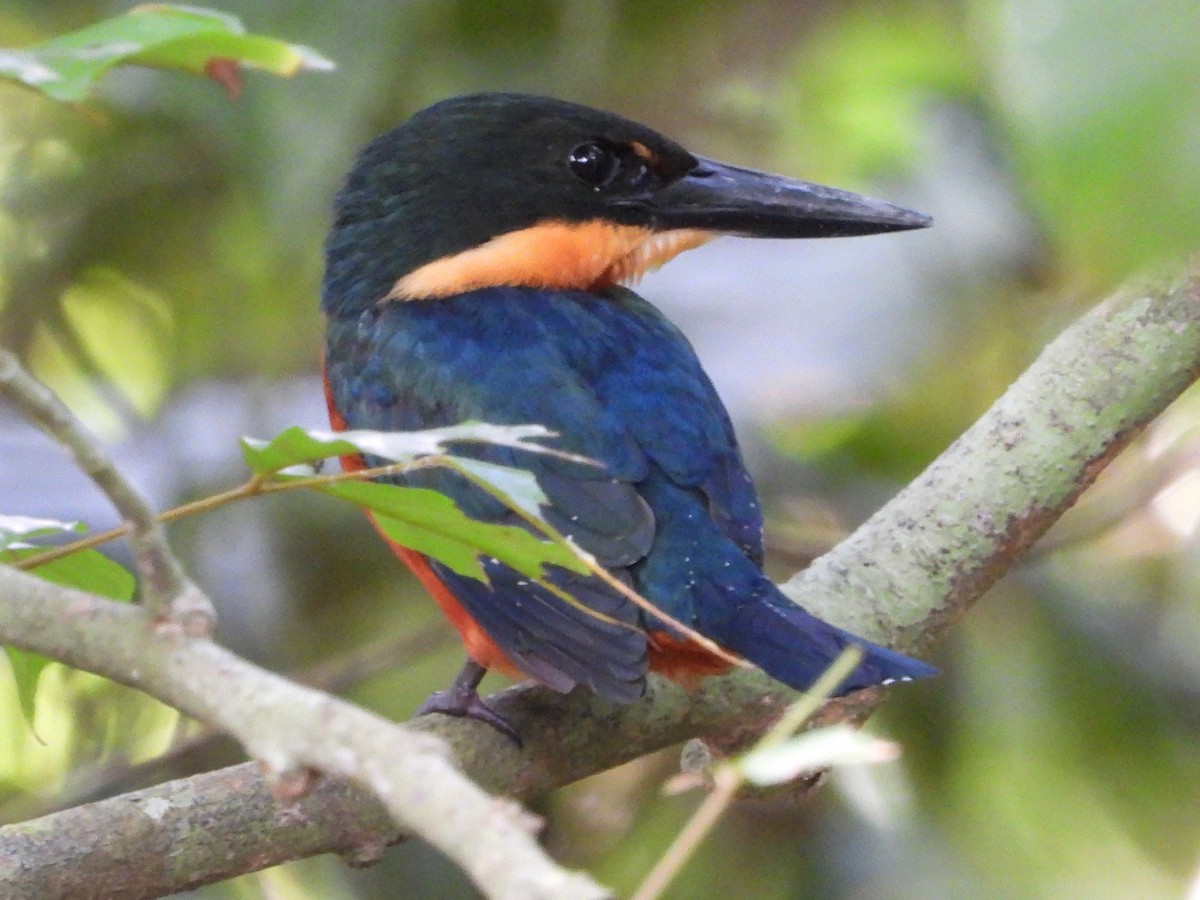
column 298, row 446
column 520, row 488
column 431, row 523
column 425, row 520
column 20, row 528
column 27, row 668
column 87, row 570
column 838, row 745
column 187, row 38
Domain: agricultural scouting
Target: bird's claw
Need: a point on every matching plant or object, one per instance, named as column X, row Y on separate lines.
column 461, row 699
column 468, row 706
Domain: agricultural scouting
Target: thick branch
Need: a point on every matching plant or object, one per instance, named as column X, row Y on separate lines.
column 289, row 729
column 167, row 590
column 213, row 826
column 904, row 576
column 918, row 563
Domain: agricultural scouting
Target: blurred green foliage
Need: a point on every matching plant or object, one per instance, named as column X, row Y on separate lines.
column 162, row 35
column 162, row 238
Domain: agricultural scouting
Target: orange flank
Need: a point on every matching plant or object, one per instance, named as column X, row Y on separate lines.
column 679, row 659
column 683, row 660
column 552, row 254
column 479, row 646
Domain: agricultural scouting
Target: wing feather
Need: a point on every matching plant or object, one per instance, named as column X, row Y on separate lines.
column 617, row 383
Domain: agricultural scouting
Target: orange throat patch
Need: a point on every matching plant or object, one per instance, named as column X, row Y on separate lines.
column 559, row 255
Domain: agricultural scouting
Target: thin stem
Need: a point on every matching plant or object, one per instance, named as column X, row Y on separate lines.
column 259, row 485
column 810, row 701
column 253, row 487
column 728, row 777
column 727, row 783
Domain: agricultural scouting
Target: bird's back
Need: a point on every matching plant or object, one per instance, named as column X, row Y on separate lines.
column 671, row 508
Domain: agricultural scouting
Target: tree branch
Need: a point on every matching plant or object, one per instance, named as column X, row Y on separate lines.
column 167, row 592
column 903, row 578
column 917, row 564
column 290, row 730
column 216, row 825
column 333, row 675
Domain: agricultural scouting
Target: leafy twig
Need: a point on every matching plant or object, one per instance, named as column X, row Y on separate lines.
column 260, row 484
column 164, row 35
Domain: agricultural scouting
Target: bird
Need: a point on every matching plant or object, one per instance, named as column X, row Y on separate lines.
column 477, row 269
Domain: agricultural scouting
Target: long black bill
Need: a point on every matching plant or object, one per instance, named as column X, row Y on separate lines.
column 719, row 197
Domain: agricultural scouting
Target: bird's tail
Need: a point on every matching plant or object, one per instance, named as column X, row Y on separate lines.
column 717, row 587
column 795, row 647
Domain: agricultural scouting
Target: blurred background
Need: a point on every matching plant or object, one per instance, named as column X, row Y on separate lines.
column 160, row 256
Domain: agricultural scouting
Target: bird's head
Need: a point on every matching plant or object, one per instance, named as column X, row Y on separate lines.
column 508, row 189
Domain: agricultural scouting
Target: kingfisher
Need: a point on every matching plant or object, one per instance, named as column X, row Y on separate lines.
column 477, row 270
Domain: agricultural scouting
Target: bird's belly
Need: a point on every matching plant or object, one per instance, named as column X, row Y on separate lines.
column 481, row 648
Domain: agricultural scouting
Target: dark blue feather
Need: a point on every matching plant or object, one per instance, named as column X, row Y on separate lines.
column 672, row 509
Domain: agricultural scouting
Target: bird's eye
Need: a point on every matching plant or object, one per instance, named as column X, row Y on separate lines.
column 594, row 163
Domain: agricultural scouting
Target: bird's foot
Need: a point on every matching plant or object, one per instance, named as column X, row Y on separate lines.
column 462, row 699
